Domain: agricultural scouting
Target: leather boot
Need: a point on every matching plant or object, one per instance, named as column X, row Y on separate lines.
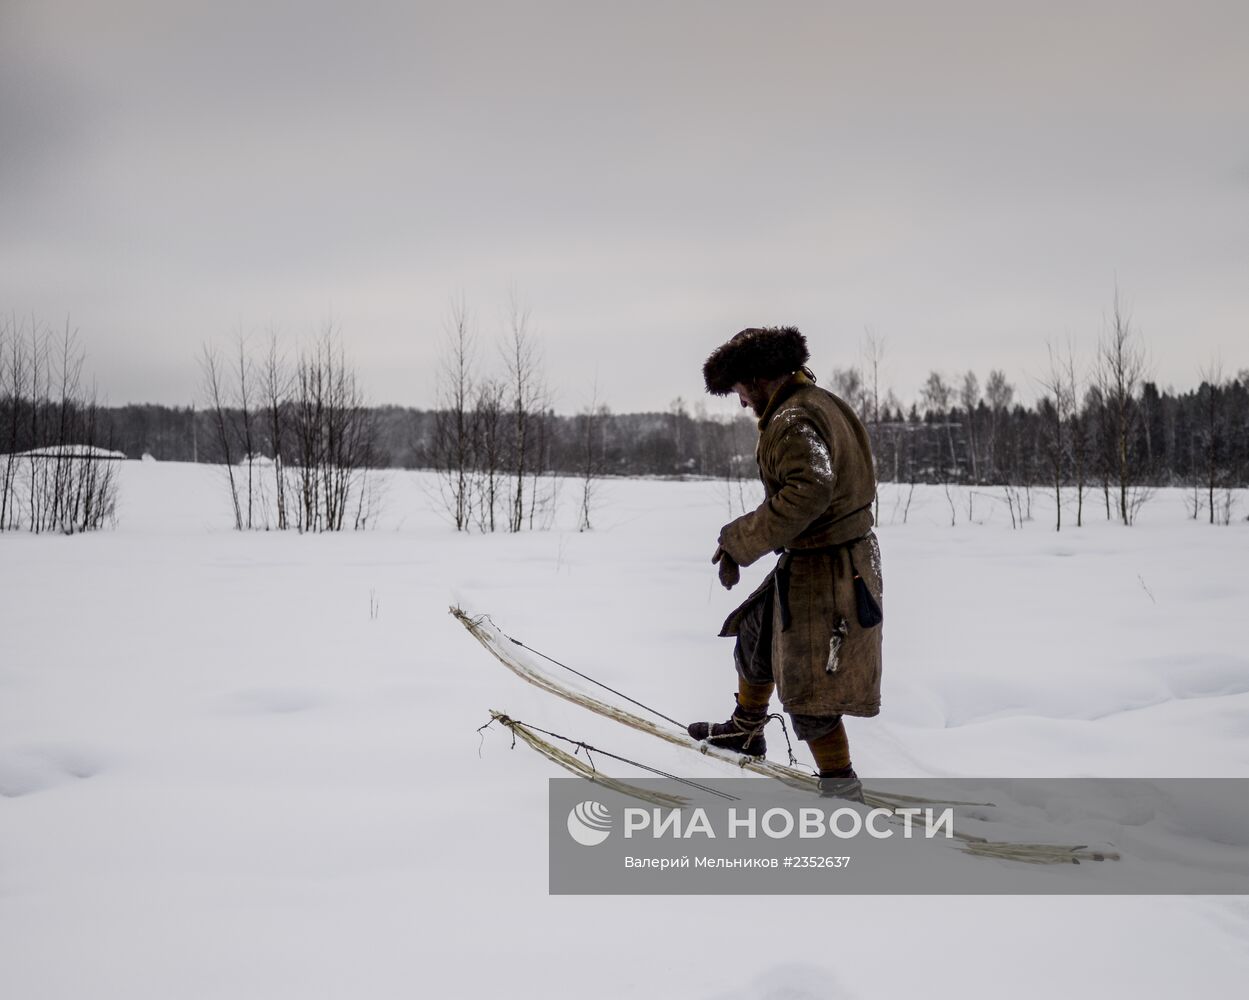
column 841, row 784
column 743, row 732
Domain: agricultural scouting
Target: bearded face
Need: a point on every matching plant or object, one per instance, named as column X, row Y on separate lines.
column 753, row 394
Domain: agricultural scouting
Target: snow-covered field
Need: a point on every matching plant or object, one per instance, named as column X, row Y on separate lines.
column 247, row 765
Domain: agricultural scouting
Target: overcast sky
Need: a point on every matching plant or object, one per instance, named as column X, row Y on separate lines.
column 968, row 180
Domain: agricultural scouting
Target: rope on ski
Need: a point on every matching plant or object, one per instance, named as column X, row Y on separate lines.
column 619, row 694
column 500, row 647
column 1034, row 854
column 715, row 739
column 580, row 768
column 789, row 747
column 519, row 728
column 793, row 761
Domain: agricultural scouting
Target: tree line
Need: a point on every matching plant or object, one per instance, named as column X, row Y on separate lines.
column 677, row 442
column 1197, row 437
column 1104, row 431
column 297, row 442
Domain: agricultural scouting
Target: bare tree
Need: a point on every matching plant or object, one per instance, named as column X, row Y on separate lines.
column 95, row 499
column 488, row 449
column 1078, row 431
column 999, row 393
column 63, row 463
column 706, row 439
column 1101, row 423
column 1120, row 371
column 590, row 434
column 1211, row 427
column 349, row 432
column 936, row 395
column 969, row 399
column 678, row 420
column 897, row 435
column 307, row 419
column 276, row 385
column 873, row 360
column 40, row 391
column 454, row 433
column 544, row 483
column 214, row 389
column 848, row 383
column 1055, row 406
column 243, row 401
column 524, row 383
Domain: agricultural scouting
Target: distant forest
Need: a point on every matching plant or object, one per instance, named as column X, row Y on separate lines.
column 1175, row 438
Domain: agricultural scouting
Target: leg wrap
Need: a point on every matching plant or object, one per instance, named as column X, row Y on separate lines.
column 832, row 750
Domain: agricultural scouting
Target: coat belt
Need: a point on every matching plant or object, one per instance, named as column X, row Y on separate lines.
column 782, row 573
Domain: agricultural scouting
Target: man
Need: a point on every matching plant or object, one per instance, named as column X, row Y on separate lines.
column 812, row 630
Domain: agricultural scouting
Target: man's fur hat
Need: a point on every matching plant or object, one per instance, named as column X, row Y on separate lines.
column 757, row 353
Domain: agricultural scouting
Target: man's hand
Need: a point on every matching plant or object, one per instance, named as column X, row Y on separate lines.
column 730, row 574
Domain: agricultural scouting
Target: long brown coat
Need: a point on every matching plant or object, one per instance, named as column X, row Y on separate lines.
column 815, row 461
